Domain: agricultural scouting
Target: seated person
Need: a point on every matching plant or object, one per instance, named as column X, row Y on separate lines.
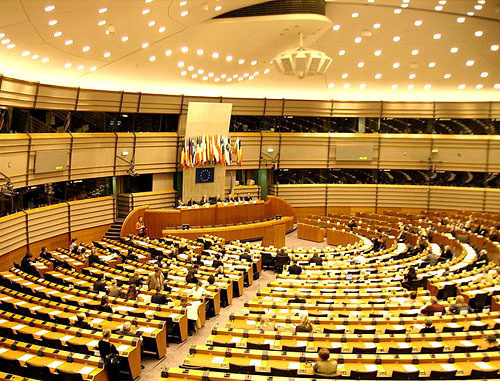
column 229, row 198
column 483, row 256
column 460, row 306
column 135, row 279
column 27, row 265
column 433, row 308
column 211, row 280
column 409, row 277
column 204, row 200
column 93, row 257
column 429, row 328
column 304, row 325
column 217, row 262
column 114, row 290
column 447, row 253
column 296, row 299
column 81, row 323
column 246, row 256
column 492, row 344
column 127, row 330
column 324, row 366
column 248, row 197
column 105, row 306
column 198, row 291
column 158, row 297
column 179, row 202
column 431, row 259
column 265, row 324
column 100, row 284
column 294, row 269
column 132, row 292
column 316, row 259
column 73, row 246
column 191, row 277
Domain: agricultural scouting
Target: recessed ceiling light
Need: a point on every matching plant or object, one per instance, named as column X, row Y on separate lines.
column 397, row 11
column 80, row 67
column 395, row 65
column 180, row 64
column 427, row 86
column 229, row 58
column 376, row 25
column 355, row 15
column 5, row 41
column 103, row 10
column 201, row 71
column 394, row 87
column 50, row 8
column 361, row 64
column 101, row 23
column 107, row 54
column 462, row 86
column 345, row 75
column 437, row 36
column 223, row 75
column 152, row 23
column 494, row 47
column 377, row 52
column 336, row 27
column 217, row 79
column 442, row 2
column 11, row 46
column 215, row 55
column 362, row 86
column 470, row 14
column 414, row 52
column 45, row 59
column 229, row 80
column 152, row 58
column 432, row 64
column 168, row 52
column 35, row 56
column 190, row 68
column 182, row 3
column 68, row 42
column 184, row 49
column 460, row 20
column 2, row 35
column 124, row 39
column 246, row 75
column 470, row 63
column 484, row 74
column 86, row 48
column 210, row 74
column 241, row 61
column 162, row 29
column 410, row 87
column 199, row 52
column 496, row 85
column 357, row 40
column 438, row 8
column 184, row 72
column 417, row 22
column 67, row 65
column 404, row 5
column 255, row 74
column 145, row 45
column 447, row 76
column 346, row 86
column 478, row 33
column 479, row 86
column 378, row 76
column 254, row 62
column 194, row 75
column 25, row 53
column 235, row 75
column 267, row 71
column 184, row 13
column 396, row 38
column 412, row 76
column 341, row 52
column 93, row 68
column 478, row 7
column 204, row 78
column 146, row 11
column 57, row 34
column 52, row 22
column 218, row 8
column 454, row 49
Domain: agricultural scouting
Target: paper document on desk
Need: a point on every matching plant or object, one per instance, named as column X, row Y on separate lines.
column 484, row 365
column 218, row 360
column 294, row 365
column 86, row 370
column 55, row 364
column 448, row 367
column 410, row 368
column 255, row 362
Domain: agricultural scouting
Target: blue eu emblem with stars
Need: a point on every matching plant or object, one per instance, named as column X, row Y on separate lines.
column 205, row 175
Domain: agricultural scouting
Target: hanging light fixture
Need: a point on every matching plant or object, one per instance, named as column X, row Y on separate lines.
column 301, row 61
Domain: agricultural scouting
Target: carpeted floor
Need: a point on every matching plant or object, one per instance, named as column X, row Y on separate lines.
column 177, row 352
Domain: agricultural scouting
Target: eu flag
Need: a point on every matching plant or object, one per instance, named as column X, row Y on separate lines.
column 205, row 175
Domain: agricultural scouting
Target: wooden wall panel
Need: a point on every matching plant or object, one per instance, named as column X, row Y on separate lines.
column 98, row 100
column 93, row 155
column 408, row 196
column 13, row 230
column 492, row 203
column 92, row 212
column 47, row 222
column 303, row 195
column 456, row 198
column 17, row 93
column 14, row 157
column 156, row 152
column 270, row 141
column 397, row 153
column 460, row 152
column 56, row 98
column 494, row 154
column 295, row 153
column 407, row 109
column 352, row 195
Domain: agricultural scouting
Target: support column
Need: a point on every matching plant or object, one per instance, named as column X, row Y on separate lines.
column 261, row 180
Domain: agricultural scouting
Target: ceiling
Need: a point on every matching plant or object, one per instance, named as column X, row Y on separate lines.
column 423, row 50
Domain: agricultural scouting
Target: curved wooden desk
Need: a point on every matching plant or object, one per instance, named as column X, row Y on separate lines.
column 243, row 220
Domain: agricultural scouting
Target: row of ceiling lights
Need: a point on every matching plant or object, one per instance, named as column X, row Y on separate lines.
column 428, row 86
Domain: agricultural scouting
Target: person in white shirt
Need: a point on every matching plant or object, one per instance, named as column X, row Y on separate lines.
column 198, row 291
column 359, row 259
